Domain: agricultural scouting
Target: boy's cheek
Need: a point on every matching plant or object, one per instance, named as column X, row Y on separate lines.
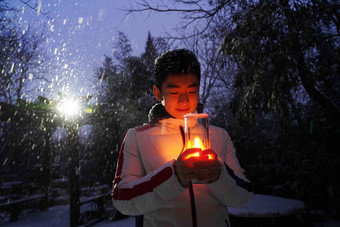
column 166, row 100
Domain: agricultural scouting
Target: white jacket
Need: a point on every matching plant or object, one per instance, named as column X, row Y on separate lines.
column 146, row 183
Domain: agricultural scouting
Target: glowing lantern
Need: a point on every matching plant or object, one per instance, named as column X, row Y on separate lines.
column 197, row 144
column 196, row 131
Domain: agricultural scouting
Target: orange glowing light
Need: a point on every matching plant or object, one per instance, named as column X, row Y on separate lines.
column 200, row 155
column 197, row 151
column 197, row 143
column 197, row 154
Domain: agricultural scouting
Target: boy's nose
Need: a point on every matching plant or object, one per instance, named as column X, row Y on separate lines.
column 183, row 97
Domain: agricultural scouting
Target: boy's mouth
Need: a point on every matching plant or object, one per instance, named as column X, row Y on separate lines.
column 183, row 110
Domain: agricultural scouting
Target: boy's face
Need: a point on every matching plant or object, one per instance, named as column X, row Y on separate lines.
column 179, row 94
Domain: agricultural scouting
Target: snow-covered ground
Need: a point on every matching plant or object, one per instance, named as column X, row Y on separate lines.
column 269, row 206
column 59, row 216
column 259, row 206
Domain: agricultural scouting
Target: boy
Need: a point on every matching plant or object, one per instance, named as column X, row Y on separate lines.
column 151, row 180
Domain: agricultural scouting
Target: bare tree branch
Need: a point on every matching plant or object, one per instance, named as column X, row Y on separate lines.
column 35, row 7
column 196, row 14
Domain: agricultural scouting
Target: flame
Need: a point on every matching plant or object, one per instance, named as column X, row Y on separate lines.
column 197, row 143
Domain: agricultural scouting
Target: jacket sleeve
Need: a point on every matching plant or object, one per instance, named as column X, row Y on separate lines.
column 232, row 188
column 134, row 191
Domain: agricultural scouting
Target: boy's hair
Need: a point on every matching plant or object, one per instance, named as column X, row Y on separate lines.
column 179, row 61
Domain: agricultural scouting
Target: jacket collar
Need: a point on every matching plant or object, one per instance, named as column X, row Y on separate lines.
column 157, row 113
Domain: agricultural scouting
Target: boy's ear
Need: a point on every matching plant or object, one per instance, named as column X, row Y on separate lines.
column 157, row 93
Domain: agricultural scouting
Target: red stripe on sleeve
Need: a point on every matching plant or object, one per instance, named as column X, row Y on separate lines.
column 119, row 165
column 120, row 158
column 142, row 188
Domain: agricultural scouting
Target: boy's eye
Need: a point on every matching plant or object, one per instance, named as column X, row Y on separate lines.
column 173, row 91
column 193, row 91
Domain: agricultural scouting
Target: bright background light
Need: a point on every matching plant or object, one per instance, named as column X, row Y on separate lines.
column 69, row 107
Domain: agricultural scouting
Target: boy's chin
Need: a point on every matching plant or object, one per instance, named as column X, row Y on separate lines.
column 180, row 116
column 177, row 115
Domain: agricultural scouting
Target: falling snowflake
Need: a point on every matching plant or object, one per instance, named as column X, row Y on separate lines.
column 80, row 20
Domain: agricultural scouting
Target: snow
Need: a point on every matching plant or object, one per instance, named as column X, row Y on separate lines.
column 57, row 216
column 268, row 206
column 259, row 206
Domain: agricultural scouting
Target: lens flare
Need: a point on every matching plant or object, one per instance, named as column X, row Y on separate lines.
column 69, row 107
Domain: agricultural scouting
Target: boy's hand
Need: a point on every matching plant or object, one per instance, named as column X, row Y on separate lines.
column 207, row 171
column 183, row 172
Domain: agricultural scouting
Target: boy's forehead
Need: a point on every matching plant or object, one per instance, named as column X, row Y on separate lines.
column 176, row 80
